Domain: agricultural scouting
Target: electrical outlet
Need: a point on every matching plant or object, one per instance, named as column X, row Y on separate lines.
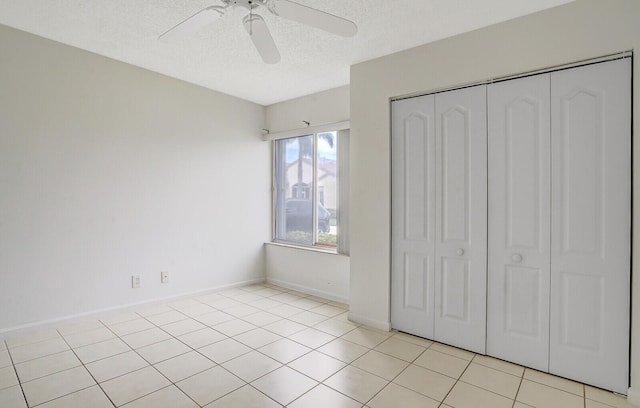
column 135, row 281
column 164, row 277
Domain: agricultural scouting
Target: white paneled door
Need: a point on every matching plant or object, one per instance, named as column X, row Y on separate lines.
column 461, row 218
column 590, row 213
column 519, row 221
column 439, row 217
column 414, row 207
column 511, row 220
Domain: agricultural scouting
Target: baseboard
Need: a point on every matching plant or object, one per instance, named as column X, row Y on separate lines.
column 42, row 324
column 376, row 324
column 633, row 396
column 309, row 290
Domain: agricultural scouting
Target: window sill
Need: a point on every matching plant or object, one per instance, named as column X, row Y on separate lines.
column 330, row 251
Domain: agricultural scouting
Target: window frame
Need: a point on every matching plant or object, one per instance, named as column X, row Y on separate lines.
column 341, row 130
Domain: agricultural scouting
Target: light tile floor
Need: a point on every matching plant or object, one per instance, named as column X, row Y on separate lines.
column 262, row 346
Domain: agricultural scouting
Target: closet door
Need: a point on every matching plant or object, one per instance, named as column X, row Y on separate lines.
column 519, row 224
column 590, row 238
column 461, row 218
column 413, row 215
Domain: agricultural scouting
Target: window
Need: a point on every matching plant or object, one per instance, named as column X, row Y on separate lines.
column 308, row 206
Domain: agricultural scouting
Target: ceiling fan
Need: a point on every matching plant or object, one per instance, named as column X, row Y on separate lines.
column 257, row 27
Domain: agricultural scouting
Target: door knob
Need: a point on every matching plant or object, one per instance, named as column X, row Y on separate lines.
column 516, row 258
column 460, row 252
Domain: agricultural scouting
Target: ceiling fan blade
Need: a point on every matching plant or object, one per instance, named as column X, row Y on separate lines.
column 261, row 37
column 189, row 26
column 313, row 17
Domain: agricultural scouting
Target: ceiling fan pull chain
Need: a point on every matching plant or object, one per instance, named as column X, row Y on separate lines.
column 250, row 18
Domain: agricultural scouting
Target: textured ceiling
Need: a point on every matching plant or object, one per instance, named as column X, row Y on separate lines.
column 222, row 56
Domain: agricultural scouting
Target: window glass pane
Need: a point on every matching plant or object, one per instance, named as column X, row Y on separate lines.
column 327, row 188
column 294, row 189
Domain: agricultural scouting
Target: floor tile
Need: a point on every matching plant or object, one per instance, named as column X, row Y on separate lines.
column 312, row 338
column 419, row 341
column 380, row 364
column 40, row 367
column 284, row 385
column 284, row 350
column 454, row 351
column 8, row 377
column 356, row 383
column 241, row 310
column 305, row 303
column 251, row 366
column 115, row 366
column 334, row 327
column 145, row 338
column 134, row 385
column 166, row 317
column 498, row 364
column 327, row 310
column 286, row 297
column 464, row 395
column 492, row 380
column 153, row 310
column 285, row 310
column 606, row 397
column 393, row 393
column 261, row 318
column 224, row 350
column 539, row 395
column 322, row 397
column 79, row 326
column 307, row 318
column 119, row 318
column 214, row 318
column 343, row 350
column 131, row 326
column 98, row 351
column 554, row 381
column 36, row 350
column 5, row 360
column 233, row 327
column 164, row 350
column 201, row 338
column 245, row 397
column 12, row 398
column 89, row 337
column 196, row 309
column 366, row 337
column 56, row 385
column 433, row 385
column 257, row 338
column 169, row 397
column 400, row 349
column 442, row 363
column 184, row 366
column 210, row 385
column 224, row 303
column 183, row 327
column 32, row 337
column 284, row 327
column 89, row 397
column 264, row 303
column 317, row 365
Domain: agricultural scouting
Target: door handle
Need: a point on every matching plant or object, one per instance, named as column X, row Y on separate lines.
column 460, row 252
column 517, row 258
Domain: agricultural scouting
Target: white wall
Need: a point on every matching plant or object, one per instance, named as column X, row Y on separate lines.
column 577, row 31
column 107, row 170
column 320, row 273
